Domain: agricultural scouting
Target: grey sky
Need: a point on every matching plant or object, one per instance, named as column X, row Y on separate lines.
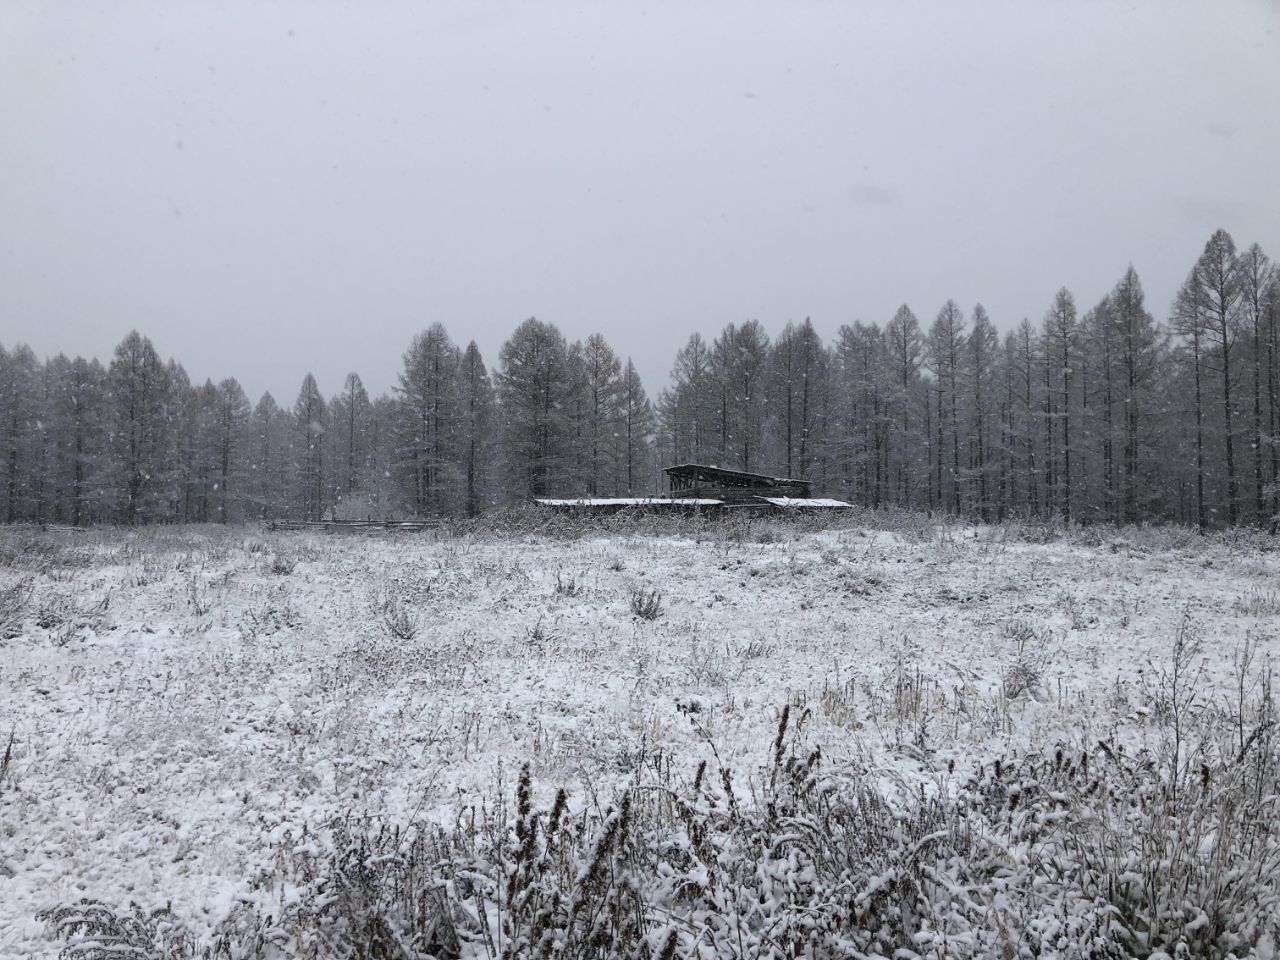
column 271, row 189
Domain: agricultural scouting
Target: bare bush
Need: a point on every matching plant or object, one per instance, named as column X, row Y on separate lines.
column 6, row 759
column 567, row 585
column 401, row 621
column 1024, row 674
column 646, row 604
column 282, row 564
column 13, row 607
column 94, row 931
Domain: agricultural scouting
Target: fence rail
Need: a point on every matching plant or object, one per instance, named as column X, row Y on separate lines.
column 332, row 526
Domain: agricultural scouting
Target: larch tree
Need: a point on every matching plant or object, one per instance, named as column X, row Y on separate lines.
column 138, row 385
column 1138, row 347
column 1217, row 276
column 311, row 421
column 750, row 355
column 1062, row 331
column 633, row 456
column 269, row 453
column 533, row 391
column 602, row 389
column 79, row 412
column 1255, row 273
column 476, row 406
column 905, row 345
column 688, row 405
column 946, row 343
column 351, row 411
column 1273, row 387
column 797, row 372
column 982, row 345
column 1189, row 322
column 233, row 441
column 19, row 414
column 428, row 395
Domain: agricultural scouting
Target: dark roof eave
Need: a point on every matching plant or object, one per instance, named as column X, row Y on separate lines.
column 710, row 471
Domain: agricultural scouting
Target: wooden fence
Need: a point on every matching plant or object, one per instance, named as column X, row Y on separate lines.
column 352, row 526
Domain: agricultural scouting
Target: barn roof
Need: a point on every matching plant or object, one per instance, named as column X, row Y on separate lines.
column 702, row 471
column 628, row 502
column 807, row 503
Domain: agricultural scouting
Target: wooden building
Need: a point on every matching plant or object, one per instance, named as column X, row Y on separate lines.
column 732, row 486
column 700, row 489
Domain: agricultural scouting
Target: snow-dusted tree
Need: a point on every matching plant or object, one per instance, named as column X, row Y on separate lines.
column 428, row 429
column 797, row 378
column 383, row 493
column 741, row 355
column 350, row 411
column 1256, row 276
column 19, row 415
column 311, row 421
column 269, row 441
column 905, row 345
column 1137, row 346
column 205, row 470
column 1189, row 322
column 600, row 394
column 233, row 450
column 476, row 406
column 861, row 420
column 1098, row 336
column 1217, row 277
column 945, row 348
column 633, row 466
column 78, row 413
column 981, row 346
column 1010, row 443
column 1273, row 386
column 534, row 393
column 139, row 389
column 688, row 407
column 1062, row 332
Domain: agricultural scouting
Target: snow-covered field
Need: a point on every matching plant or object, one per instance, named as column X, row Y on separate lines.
column 182, row 700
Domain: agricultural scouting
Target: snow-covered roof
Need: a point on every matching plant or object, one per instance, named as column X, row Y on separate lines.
column 629, row 502
column 805, row 502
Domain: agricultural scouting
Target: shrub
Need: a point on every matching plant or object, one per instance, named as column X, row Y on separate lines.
column 646, row 604
column 400, row 621
column 95, row 932
column 13, row 607
column 282, row 564
column 567, row 586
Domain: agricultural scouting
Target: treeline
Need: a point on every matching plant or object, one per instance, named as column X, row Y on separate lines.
column 1100, row 414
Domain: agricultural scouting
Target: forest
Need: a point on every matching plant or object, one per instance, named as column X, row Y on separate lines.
column 1102, row 413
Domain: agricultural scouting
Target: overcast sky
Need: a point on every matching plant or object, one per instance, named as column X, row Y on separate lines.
column 267, row 189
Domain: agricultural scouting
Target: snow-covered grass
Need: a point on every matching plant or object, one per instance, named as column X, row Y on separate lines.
column 1029, row 742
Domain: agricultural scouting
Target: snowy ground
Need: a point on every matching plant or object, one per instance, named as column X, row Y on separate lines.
column 180, row 699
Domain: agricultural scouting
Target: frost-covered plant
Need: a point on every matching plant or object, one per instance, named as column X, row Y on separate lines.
column 401, row 622
column 6, row 759
column 13, row 607
column 282, row 564
column 1024, row 674
column 567, row 585
column 267, row 617
column 93, row 931
column 646, row 604
column 540, row 636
